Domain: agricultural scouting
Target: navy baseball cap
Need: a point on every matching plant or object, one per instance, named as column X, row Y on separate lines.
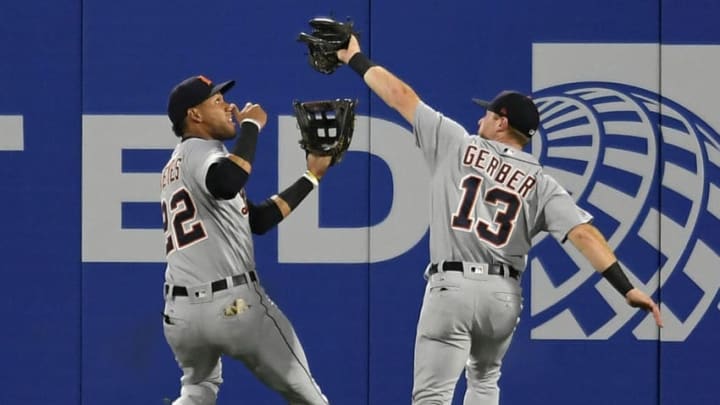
column 520, row 110
column 191, row 92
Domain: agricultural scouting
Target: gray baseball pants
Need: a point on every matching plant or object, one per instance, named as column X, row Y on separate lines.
column 243, row 323
column 467, row 320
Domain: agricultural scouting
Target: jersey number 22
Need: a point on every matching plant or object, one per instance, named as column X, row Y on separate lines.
column 179, row 223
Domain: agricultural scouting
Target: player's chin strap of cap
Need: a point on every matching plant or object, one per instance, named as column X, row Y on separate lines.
column 475, row 268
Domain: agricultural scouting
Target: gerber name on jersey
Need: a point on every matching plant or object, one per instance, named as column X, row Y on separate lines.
column 483, row 160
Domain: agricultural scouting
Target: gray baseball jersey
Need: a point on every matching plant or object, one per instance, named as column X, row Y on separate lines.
column 487, row 202
column 214, row 303
column 208, row 238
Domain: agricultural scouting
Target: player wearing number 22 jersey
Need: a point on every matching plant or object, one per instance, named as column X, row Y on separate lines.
column 214, row 303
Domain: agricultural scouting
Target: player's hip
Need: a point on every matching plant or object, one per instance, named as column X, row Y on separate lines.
column 457, row 306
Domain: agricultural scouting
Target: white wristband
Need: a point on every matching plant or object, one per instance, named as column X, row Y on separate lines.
column 311, row 177
column 253, row 121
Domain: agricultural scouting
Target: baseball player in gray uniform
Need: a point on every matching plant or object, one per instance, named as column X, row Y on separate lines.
column 488, row 199
column 214, row 303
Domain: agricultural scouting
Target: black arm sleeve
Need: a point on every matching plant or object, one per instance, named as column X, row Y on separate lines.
column 267, row 214
column 225, row 179
column 294, row 194
column 246, row 143
column 263, row 216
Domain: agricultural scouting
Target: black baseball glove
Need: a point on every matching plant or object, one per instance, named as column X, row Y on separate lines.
column 328, row 36
column 326, row 126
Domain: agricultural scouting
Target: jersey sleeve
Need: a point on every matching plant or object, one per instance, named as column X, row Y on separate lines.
column 560, row 213
column 435, row 134
column 201, row 154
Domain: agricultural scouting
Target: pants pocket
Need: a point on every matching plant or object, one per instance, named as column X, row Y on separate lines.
column 506, row 312
column 174, row 329
column 443, row 289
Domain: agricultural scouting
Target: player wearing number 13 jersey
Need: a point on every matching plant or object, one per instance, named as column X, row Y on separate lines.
column 488, row 199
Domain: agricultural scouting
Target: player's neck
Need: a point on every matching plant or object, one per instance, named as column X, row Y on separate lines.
column 196, row 132
column 191, row 136
column 509, row 140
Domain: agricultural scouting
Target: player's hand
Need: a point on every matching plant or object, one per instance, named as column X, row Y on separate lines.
column 353, row 47
column 252, row 111
column 638, row 299
column 318, row 165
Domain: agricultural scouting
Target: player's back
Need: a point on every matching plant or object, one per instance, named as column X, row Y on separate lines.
column 484, row 203
column 205, row 238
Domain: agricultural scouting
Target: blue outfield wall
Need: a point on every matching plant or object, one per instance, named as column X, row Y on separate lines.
column 627, row 93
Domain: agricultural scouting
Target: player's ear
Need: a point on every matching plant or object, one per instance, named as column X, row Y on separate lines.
column 194, row 114
column 502, row 123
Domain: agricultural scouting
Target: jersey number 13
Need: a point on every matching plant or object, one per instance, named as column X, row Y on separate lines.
column 498, row 232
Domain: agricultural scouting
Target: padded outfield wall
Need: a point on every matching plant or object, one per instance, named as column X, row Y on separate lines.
column 630, row 122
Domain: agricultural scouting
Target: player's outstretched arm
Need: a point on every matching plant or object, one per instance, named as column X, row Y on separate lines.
column 593, row 245
column 393, row 91
column 269, row 213
column 292, row 196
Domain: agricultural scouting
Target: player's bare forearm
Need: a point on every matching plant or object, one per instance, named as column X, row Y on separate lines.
column 393, row 91
column 593, row 245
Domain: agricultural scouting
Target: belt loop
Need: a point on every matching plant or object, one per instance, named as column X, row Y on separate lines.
column 426, row 273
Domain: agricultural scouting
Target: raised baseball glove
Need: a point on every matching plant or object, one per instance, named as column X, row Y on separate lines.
column 327, row 37
column 326, row 126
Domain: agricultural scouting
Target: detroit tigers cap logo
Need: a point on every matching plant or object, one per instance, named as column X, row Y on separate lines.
column 643, row 165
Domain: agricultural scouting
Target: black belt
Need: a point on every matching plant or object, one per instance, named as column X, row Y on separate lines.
column 496, row 269
column 217, row 285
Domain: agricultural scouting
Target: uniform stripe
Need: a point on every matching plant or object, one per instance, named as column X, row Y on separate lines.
column 287, row 343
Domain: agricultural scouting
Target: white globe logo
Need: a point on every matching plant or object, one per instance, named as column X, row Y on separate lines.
column 644, row 166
